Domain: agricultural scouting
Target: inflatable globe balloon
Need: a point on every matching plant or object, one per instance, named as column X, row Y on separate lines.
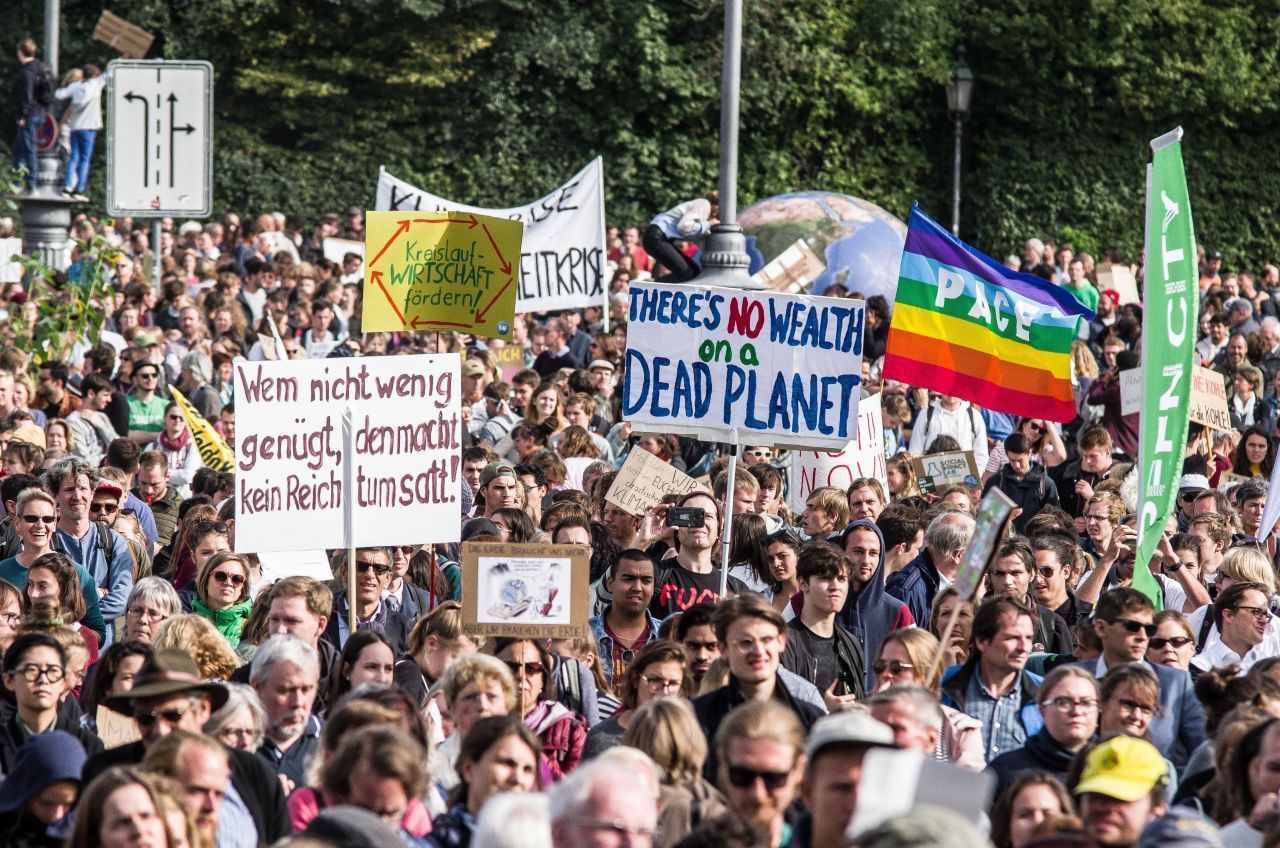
column 860, row 243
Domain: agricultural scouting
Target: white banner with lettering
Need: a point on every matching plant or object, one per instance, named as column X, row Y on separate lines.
column 562, row 265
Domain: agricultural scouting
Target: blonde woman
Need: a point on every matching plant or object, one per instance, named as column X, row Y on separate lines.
column 198, row 638
column 1245, row 564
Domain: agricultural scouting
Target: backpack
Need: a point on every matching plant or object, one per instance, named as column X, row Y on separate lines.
column 973, row 423
column 45, row 85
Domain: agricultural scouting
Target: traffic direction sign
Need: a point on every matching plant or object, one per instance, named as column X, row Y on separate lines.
column 160, row 138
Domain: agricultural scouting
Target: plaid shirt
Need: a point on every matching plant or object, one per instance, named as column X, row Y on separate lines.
column 1002, row 729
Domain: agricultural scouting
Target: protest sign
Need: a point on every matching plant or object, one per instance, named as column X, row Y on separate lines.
column 115, row 729
column 1209, row 399
column 509, row 359
column 439, row 271
column 131, row 40
column 936, row 470
column 793, row 271
column 994, row 511
column 1121, row 279
column 277, row 565
column 214, row 451
column 716, row 364
column 862, row 457
column 562, row 257
column 1271, row 507
column 894, row 782
column 335, row 248
column 290, row 457
column 644, row 480
column 525, row 590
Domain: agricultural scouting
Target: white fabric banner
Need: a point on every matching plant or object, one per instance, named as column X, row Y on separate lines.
column 562, row 264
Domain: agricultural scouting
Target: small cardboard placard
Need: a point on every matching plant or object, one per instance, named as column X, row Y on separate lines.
column 794, row 271
column 116, row 729
column 644, row 480
column 523, row 590
column 1120, row 278
column 131, row 40
column 994, row 512
column 1208, row 397
column 509, row 359
column 935, row 470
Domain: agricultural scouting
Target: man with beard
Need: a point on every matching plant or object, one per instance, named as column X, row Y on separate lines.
column 869, row 613
column 285, row 674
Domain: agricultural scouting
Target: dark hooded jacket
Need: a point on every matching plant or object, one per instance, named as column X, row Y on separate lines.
column 870, row 614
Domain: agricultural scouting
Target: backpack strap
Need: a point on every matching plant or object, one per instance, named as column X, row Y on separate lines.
column 1205, row 627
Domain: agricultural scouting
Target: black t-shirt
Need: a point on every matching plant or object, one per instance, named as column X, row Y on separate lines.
column 678, row 589
column 823, row 650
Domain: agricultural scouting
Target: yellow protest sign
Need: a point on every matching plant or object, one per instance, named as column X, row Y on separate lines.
column 214, row 450
column 441, row 271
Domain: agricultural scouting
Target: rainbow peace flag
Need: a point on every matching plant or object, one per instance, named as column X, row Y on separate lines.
column 965, row 325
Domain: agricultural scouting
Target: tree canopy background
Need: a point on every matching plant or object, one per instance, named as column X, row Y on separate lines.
column 495, row 102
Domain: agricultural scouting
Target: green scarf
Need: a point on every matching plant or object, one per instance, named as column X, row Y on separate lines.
column 229, row 622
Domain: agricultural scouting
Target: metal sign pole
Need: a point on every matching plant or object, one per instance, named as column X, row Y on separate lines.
column 349, row 510
column 728, row 514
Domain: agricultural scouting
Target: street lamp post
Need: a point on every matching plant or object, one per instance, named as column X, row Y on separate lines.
column 959, row 91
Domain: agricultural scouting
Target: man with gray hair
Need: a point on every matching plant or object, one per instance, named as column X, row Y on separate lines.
column 601, row 803
column 286, row 674
column 913, row 713
column 934, row 569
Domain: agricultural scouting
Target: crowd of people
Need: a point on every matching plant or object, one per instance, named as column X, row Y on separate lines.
column 158, row 691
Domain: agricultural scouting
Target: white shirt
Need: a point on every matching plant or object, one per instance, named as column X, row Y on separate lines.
column 1214, row 649
column 963, row 423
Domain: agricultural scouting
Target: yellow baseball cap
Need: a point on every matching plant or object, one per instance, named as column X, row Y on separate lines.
column 1123, row 768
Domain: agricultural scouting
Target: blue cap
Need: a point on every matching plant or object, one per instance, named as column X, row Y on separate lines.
column 42, row 761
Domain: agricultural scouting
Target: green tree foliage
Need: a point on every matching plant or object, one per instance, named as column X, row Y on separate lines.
column 495, row 102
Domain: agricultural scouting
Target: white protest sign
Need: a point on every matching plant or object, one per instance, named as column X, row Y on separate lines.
column 943, row 469
column 290, row 458
column 562, row 259
column 894, row 782
column 644, row 480
column 862, row 457
column 1131, row 391
column 278, row 565
column 336, row 248
column 1208, row 397
column 777, row 369
column 1121, row 279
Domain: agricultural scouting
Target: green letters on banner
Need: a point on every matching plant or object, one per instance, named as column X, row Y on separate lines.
column 1169, row 321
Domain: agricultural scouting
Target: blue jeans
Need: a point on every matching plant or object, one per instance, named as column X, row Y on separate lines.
column 24, row 148
column 78, row 163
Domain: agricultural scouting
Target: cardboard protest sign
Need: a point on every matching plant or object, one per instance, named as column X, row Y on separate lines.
column 562, row 257
column 936, row 470
column 994, row 512
column 774, row 369
column 335, row 249
column 131, row 40
column 644, row 480
column 862, row 457
column 793, row 271
column 214, row 450
column 1209, row 399
column 1120, row 278
column 116, row 729
column 509, row 359
column 433, row 271
column 894, row 782
column 525, row 590
column 290, row 460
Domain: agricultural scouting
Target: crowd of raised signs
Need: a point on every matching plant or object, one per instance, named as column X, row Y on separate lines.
column 158, row 692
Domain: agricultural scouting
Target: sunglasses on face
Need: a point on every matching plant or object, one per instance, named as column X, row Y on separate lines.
column 530, row 669
column 105, row 508
column 891, row 666
column 1132, row 626
column 377, row 567
column 1176, row 641
column 228, row 577
column 145, row 720
column 47, row 520
column 743, row 777
column 146, row 375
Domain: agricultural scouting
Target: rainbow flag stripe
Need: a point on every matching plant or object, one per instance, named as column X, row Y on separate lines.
column 965, row 325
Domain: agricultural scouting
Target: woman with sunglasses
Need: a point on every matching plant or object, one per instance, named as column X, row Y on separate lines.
column 658, row 669
column 177, row 445
column 222, row 594
column 561, row 731
column 201, row 538
column 907, row 656
column 1047, row 449
column 1174, row 643
column 35, row 517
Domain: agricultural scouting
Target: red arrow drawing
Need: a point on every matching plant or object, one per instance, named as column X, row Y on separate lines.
column 506, row 266
column 471, row 221
column 480, row 315
column 401, row 229
column 417, row 323
column 377, row 279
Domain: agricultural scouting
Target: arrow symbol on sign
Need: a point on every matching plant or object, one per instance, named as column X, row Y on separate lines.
column 505, row 266
column 471, row 221
column 480, row 315
column 400, row 230
column 377, row 279
column 146, row 131
column 188, row 129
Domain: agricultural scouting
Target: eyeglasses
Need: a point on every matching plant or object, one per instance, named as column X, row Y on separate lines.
column 174, row 418
column 407, row 550
column 31, row 672
column 148, row 614
column 237, row 733
column 1069, row 705
column 1176, row 641
column 228, row 577
column 10, row 618
column 661, row 684
column 765, row 452
column 1046, row 571
column 1132, row 626
column 378, row 568
column 147, row 375
column 147, row 719
column 211, row 527
column 891, row 666
column 106, row 508
column 743, row 777
column 1099, row 518
column 1037, row 427
column 530, row 669
column 1136, row 708
column 1260, row 613
column 48, row 520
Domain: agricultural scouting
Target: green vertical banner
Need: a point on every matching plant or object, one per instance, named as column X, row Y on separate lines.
column 1170, row 304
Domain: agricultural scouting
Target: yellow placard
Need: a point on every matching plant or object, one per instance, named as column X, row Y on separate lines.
column 214, row 450
column 441, row 271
